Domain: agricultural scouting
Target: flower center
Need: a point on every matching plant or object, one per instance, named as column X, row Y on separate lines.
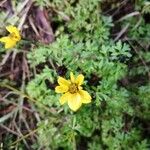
column 13, row 36
column 73, row 88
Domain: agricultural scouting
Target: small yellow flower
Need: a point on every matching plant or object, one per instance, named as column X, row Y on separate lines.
column 72, row 92
column 11, row 40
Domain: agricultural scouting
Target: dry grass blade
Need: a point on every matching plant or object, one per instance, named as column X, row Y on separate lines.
column 9, row 130
column 129, row 15
column 24, row 137
column 122, row 32
column 29, row 98
column 45, row 30
column 7, row 116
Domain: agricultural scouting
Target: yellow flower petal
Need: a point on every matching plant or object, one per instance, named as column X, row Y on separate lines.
column 64, row 98
column 85, row 96
column 12, row 38
column 80, row 79
column 61, row 89
column 4, row 39
column 72, row 77
column 74, row 101
column 9, row 43
column 13, row 30
column 63, row 81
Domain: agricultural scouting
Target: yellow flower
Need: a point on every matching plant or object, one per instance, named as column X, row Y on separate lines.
column 72, row 92
column 11, row 40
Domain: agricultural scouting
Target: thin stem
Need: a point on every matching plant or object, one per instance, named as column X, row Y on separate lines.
column 74, row 142
column 24, row 136
column 73, row 127
column 24, row 95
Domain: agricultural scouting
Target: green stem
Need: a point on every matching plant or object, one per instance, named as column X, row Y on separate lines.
column 74, row 142
column 73, row 127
